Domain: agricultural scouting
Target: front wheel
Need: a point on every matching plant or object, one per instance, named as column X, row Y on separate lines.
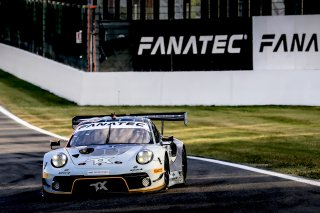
column 166, row 172
column 184, row 165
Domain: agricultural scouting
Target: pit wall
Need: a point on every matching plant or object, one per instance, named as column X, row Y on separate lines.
column 286, row 71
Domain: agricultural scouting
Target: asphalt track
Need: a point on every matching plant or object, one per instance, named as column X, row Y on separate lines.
column 211, row 187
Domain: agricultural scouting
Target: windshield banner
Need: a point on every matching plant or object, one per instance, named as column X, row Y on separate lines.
column 105, row 125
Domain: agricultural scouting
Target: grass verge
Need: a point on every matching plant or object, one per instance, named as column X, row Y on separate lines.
column 279, row 138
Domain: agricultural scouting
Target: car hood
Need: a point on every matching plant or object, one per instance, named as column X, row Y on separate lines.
column 103, row 155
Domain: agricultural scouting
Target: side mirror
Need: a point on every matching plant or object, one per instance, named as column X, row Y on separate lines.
column 166, row 140
column 54, row 143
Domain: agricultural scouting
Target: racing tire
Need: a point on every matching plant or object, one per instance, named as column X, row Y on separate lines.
column 166, row 174
column 184, row 165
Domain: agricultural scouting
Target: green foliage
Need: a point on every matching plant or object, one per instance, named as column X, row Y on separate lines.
column 16, row 91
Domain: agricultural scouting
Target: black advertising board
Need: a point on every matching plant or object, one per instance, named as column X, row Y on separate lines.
column 191, row 45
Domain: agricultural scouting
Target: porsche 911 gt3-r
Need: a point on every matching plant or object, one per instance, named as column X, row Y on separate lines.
column 123, row 153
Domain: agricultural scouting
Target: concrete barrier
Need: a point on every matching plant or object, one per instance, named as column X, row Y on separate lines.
column 258, row 87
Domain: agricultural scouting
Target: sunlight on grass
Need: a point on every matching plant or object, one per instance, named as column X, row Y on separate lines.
column 280, row 138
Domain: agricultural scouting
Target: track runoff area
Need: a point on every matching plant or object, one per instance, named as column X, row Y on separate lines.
column 239, row 166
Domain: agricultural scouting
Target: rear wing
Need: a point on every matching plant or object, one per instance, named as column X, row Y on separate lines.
column 169, row 116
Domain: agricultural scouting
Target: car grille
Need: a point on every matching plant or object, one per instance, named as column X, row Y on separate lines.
column 122, row 183
column 93, row 185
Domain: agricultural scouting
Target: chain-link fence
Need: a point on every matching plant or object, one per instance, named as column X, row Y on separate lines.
column 59, row 29
column 46, row 28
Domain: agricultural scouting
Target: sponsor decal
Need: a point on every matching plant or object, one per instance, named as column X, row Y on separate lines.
column 135, row 168
column 98, row 172
column 45, row 175
column 182, row 45
column 192, row 45
column 175, row 176
column 100, row 161
column 65, row 172
column 45, row 165
column 298, row 42
column 159, row 170
column 103, row 125
column 99, row 186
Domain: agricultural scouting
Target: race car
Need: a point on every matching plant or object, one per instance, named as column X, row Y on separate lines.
column 116, row 153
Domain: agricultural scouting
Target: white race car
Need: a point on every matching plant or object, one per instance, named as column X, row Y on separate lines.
column 123, row 153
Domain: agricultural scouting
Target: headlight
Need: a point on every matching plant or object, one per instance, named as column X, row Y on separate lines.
column 144, row 156
column 59, row 160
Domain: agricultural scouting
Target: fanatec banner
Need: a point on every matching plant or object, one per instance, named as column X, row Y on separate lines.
column 192, row 45
column 286, row 42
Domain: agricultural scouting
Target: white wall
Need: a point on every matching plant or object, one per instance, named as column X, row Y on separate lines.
column 282, row 52
column 294, row 87
column 57, row 78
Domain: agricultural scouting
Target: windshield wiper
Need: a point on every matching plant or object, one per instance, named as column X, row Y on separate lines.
column 109, row 133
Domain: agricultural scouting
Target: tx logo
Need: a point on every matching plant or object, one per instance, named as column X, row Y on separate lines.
column 100, row 161
column 100, row 186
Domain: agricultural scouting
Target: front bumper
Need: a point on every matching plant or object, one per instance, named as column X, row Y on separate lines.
column 137, row 182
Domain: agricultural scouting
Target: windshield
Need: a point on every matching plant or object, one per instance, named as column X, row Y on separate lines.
column 115, row 136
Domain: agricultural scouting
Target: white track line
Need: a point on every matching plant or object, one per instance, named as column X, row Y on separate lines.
column 20, row 121
column 261, row 171
column 248, row 168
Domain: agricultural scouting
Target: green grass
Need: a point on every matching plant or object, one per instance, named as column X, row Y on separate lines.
column 279, row 138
